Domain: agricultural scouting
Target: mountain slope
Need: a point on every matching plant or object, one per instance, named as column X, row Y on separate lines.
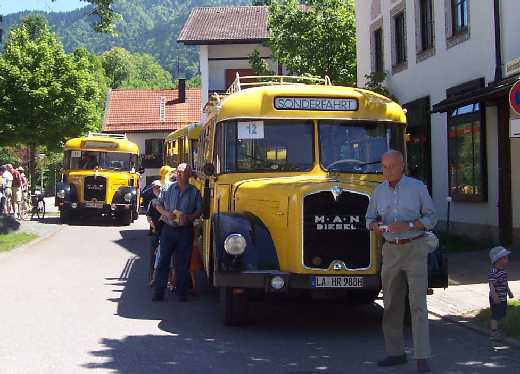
column 147, row 26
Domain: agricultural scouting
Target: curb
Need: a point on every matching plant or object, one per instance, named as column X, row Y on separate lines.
column 469, row 324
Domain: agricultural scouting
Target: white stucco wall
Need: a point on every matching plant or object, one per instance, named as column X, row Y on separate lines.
column 510, row 9
column 233, row 56
column 139, row 138
column 471, row 59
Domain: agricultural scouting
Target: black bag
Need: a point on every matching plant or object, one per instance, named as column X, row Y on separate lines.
column 437, row 269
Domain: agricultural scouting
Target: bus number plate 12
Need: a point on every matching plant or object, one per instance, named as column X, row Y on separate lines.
column 337, row 282
column 250, row 129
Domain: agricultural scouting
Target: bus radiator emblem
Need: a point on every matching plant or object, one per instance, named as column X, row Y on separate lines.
column 336, row 192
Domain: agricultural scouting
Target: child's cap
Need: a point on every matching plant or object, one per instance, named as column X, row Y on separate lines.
column 498, row 252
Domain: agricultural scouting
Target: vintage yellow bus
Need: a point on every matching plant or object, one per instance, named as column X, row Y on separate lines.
column 287, row 166
column 100, row 176
column 181, row 146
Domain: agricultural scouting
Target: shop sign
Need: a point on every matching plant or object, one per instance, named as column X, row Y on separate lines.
column 513, row 67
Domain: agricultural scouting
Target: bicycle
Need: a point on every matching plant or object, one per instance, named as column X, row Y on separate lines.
column 38, row 205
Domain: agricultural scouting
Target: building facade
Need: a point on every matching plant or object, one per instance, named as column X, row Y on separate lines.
column 226, row 36
column 147, row 116
column 445, row 61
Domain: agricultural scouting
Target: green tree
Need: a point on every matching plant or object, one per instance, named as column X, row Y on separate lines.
column 106, row 16
column 258, row 63
column 127, row 70
column 318, row 38
column 46, row 95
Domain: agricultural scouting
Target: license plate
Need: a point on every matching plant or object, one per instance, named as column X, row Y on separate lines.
column 94, row 204
column 337, row 282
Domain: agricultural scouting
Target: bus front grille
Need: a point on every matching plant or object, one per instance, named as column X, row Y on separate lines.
column 95, row 188
column 334, row 230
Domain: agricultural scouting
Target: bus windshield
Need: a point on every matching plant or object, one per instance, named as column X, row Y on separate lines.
column 357, row 147
column 266, row 145
column 88, row 160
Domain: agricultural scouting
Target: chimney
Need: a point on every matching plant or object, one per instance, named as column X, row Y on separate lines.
column 181, row 91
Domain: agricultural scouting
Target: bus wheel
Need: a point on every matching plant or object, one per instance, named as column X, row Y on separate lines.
column 234, row 305
column 125, row 218
column 64, row 216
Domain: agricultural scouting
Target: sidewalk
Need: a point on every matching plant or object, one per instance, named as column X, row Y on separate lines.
column 468, row 290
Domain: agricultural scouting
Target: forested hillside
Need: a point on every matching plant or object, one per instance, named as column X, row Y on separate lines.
column 147, row 26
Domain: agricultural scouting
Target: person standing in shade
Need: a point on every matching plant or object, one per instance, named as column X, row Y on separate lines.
column 180, row 204
column 401, row 209
column 153, row 217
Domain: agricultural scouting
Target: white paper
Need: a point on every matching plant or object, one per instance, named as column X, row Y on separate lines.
column 250, row 129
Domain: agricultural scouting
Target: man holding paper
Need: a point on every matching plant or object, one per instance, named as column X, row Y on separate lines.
column 180, row 204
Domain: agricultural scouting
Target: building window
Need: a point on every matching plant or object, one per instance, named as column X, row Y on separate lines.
column 459, row 16
column 379, row 65
column 426, row 24
column 400, row 38
column 153, row 153
column 466, row 153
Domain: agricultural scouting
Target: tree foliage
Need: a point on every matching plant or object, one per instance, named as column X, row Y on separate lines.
column 318, row 38
column 126, row 70
column 105, row 14
column 46, row 95
column 258, row 64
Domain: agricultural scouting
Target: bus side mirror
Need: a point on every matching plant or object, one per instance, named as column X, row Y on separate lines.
column 208, row 169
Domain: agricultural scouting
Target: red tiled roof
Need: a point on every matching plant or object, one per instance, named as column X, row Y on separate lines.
column 211, row 25
column 138, row 110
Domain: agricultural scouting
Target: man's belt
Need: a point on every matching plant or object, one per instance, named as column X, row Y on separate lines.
column 404, row 240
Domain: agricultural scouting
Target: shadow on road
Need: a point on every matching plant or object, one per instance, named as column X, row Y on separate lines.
column 284, row 337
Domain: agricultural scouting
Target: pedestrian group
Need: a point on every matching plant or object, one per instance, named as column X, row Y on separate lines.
column 13, row 190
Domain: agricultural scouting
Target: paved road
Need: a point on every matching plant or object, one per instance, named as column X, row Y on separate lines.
column 77, row 302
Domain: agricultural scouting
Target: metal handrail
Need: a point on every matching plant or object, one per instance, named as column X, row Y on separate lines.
column 273, row 80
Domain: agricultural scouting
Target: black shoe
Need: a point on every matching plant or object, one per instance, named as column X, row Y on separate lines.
column 393, row 361
column 158, row 297
column 422, row 366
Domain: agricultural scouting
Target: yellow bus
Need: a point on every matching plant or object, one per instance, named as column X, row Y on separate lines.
column 181, row 146
column 100, row 177
column 287, row 166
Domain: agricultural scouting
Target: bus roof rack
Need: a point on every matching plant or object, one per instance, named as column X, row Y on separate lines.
column 249, row 81
column 273, row 80
column 106, row 135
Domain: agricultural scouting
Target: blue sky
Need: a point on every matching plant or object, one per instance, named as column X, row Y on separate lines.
column 12, row 6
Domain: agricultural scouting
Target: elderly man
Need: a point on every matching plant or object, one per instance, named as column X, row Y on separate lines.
column 401, row 209
column 179, row 204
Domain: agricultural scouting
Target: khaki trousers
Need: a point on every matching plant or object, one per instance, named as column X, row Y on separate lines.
column 402, row 264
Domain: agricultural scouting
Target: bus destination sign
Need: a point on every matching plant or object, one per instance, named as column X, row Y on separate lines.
column 328, row 104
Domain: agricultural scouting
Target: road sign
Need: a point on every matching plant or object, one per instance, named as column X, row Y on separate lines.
column 514, row 97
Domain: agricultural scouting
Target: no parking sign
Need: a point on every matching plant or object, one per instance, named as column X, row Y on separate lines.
column 514, row 97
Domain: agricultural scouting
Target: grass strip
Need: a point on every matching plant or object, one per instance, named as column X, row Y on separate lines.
column 510, row 325
column 15, row 239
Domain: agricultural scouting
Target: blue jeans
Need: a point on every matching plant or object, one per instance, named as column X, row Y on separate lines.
column 176, row 241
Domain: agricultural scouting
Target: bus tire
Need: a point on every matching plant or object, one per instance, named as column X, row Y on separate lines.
column 125, row 218
column 234, row 306
column 64, row 216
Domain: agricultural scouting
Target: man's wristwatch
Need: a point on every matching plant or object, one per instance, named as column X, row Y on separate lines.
column 411, row 225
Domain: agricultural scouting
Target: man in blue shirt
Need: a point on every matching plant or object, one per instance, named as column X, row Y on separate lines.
column 400, row 210
column 179, row 204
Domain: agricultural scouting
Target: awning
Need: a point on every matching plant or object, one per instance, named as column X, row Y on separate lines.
column 495, row 90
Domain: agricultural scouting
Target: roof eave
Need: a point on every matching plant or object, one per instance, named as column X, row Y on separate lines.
column 222, row 41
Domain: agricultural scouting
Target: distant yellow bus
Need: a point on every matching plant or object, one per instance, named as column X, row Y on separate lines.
column 180, row 146
column 100, row 177
column 287, row 166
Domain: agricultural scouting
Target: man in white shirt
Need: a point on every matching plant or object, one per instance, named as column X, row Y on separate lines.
column 8, row 192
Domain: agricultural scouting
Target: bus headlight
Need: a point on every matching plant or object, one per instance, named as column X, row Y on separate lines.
column 61, row 194
column 235, row 244
column 128, row 196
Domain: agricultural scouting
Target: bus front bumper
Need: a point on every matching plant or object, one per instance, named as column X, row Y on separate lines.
column 276, row 281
